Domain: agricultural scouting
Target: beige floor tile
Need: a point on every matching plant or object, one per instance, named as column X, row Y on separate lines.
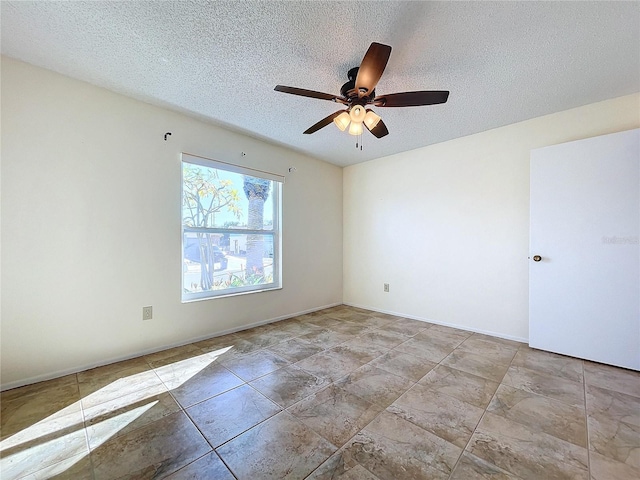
column 383, row 338
column 403, row 321
column 407, row 327
column 335, row 414
column 105, row 384
column 377, row 321
column 375, row 385
column 127, row 419
column 43, row 445
column 257, row 330
column 175, row 354
column 474, row 364
column 253, row 365
column 549, row 363
column 288, row 385
column 173, row 373
column 550, row 386
column 295, row 327
column 266, row 336
column 603, row 468
column 112, row 370
column 464, row 386
column 325, row 338
column 392, row 448
column 431, row 350
column 304, row 318
column 327, row 321
column 387, row 316
column 454, row 332
column 126, row 413
column 519, row 450
column 227, row 415
column 354, row 316
column 77, row 467
column 197, row 379
column 470, row 467
column 340, row 466
column 615, row 405
column 612, row 378
column 500, row 353
column 59, row 387
column 504, row 341
column 152, row 451
column 357, row 352
column 280, row 448
column 404, row 365
column 444, row 335
column 350, row 328
column 208, row 467
column 217, row 344
column 541, row 414
column 295, row 349
column 44, row 407
column 365, row 343
column 614, row 439
column 239, row 348
column 327, row 366
column 440, row 414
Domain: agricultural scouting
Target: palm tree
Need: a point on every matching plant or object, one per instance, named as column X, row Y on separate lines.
column 257, row 191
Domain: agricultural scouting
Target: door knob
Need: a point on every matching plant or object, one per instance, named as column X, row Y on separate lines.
column 537, row 258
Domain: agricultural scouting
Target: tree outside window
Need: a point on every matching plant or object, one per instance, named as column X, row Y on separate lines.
column 230, row 224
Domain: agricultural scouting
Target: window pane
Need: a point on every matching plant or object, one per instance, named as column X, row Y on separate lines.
column 230, row 228
column 216, row 198
column 223, row 263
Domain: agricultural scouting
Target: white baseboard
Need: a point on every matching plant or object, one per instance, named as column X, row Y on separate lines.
column 445, row 324
column 82, row 368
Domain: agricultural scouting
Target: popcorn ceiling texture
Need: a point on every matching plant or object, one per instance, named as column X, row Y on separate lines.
column 503, row 62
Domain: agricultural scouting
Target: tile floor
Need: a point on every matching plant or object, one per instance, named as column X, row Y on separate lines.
column 340, row 393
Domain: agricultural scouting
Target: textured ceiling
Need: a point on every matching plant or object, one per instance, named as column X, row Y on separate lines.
column 503, row 62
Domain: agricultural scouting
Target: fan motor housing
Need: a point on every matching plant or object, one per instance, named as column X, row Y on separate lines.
column 348, row 90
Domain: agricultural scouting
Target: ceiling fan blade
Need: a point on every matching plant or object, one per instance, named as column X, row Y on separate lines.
column 307, row 93
column 371, row 68
column 412, row 99
column 380, row 130
column 323, row 123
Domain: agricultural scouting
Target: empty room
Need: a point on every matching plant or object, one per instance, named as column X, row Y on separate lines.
column 377, row 240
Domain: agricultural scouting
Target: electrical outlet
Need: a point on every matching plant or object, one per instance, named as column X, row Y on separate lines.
column 147, row 313
column 386, row 287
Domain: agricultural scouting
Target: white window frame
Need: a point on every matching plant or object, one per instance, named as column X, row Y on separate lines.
column 275, row 232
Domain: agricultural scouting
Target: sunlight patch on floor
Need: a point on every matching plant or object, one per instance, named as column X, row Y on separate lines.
column 59, row 441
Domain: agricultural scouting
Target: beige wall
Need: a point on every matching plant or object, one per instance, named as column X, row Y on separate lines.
column 447, row 226
column 91, row 227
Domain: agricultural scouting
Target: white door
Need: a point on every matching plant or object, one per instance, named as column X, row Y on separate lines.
column 584, row 291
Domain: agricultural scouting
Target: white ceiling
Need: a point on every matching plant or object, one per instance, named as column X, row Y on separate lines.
column 503, row 62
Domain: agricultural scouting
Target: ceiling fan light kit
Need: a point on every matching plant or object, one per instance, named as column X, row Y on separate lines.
column 359, row 92
column 371, row 119
column 357, row 113
column 356, row 117
column 342, row 121
column 355, row 128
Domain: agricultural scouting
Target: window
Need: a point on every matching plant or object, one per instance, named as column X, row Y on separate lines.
column 230, row 229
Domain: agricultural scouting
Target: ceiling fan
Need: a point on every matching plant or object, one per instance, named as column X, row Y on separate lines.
column 359, row 92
